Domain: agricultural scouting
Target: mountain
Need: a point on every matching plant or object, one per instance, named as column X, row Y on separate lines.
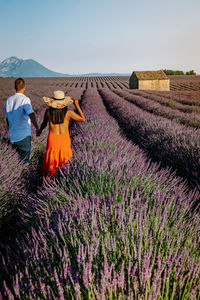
column 15, row 67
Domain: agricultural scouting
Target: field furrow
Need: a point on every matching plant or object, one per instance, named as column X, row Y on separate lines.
column 186, row 98
column 165, row 141
column 143, row 101
column 166, row 102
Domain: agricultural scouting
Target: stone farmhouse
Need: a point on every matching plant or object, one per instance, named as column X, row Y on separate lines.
column 149, row 80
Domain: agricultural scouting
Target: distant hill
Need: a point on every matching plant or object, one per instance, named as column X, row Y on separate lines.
column 16, row 67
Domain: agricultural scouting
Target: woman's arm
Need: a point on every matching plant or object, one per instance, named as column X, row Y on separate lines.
column 77, row 117
column 44, row 123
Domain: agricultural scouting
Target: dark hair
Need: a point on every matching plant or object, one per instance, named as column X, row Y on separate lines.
column 19, row 84
column 57, row 115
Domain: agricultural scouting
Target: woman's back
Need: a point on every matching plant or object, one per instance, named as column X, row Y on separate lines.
column 59, row 128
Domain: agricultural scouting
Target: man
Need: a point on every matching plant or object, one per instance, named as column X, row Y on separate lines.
column 19, row 116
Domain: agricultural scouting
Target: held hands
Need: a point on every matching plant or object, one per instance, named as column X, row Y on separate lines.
column 38, row 132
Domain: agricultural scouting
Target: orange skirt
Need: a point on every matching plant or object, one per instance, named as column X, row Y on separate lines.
column 57, row 153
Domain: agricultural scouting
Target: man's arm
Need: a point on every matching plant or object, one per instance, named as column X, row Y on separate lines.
column 44, row 123
column 6, row 115
column 7, row 122
column 33, row 120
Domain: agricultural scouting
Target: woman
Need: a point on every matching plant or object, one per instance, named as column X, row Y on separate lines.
column 58, row 150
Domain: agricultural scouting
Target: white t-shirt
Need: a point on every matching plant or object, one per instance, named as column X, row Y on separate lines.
column 17, row 109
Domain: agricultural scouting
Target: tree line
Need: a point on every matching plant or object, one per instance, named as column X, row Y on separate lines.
column 178, row 72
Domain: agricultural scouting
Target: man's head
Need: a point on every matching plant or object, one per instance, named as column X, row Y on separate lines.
column 20, row 85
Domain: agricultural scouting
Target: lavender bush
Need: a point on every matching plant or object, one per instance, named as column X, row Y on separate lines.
column 169, row 101
column 184, row 97
column 10, row 173
column 142, row 101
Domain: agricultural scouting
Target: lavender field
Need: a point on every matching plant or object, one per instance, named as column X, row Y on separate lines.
column 122, row 220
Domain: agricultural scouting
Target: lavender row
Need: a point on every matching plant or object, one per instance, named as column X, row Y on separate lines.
column 10, row 174
column 96, row 248
column 192, row 120
column 167, row 102
column 183, row 97
column 165, row 141
column 110, row 226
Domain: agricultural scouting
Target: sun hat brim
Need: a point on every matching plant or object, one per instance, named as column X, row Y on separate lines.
column 58, row 103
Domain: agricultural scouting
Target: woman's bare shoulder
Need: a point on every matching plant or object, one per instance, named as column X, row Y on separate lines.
column 68, row 114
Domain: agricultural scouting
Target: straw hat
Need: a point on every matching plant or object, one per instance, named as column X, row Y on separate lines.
column 58, row 100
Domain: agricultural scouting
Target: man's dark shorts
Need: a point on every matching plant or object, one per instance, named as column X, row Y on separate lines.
column 23, row 147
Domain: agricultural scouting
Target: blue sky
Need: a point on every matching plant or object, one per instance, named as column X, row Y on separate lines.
column 84, row 36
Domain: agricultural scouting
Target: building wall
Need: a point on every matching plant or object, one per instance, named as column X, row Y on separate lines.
column 133, row 82
column 158, row 85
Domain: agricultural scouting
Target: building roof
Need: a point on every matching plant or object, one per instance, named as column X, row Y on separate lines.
column 151, row 75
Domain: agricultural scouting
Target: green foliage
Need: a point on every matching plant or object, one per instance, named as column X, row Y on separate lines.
column 2, row 120
column 172, row 72
column 192, row 122
column 179, row 72
column 170, row 104
column 191, row 72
